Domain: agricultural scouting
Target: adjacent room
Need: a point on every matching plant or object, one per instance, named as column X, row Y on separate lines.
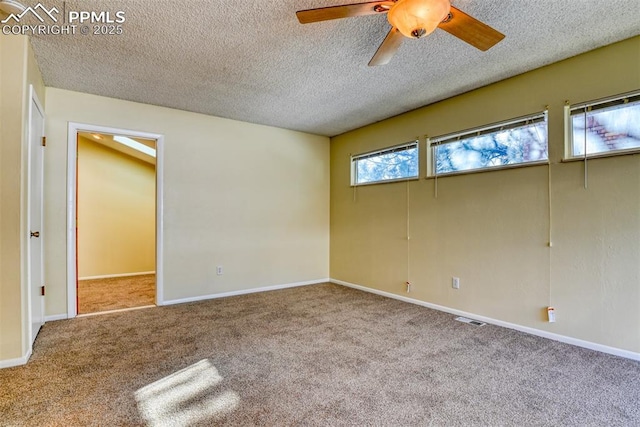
column 413, row 212
column 115, row 222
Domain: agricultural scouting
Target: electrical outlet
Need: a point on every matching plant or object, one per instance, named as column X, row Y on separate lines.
column 455, row 282
column 219, row 270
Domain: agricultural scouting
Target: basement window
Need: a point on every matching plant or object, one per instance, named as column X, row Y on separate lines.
column 390, row 164
column 604, row 127
column 520, row 141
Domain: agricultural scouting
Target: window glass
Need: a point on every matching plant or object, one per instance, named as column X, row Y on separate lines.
column 395, row 163
column 608, row 127
column 519, row 142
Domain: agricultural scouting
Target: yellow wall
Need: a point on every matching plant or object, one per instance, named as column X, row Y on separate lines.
column 254, row 199
column 116, row 212
column 18, row 70
column 491, row 229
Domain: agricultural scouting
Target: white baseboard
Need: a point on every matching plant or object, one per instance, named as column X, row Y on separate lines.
column 111, row 276
column 120, row 310
column 244, row 292
column 55, row 317
column 544, row 334
column 12, row 363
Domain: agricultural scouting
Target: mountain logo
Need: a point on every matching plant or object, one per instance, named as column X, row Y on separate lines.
column 38, row 11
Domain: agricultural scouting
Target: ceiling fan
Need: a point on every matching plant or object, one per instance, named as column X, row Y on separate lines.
column 413, row 19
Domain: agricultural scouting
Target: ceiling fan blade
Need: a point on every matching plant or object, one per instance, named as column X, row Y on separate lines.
column 344, row 11
column 388, row 48
column 469, row 29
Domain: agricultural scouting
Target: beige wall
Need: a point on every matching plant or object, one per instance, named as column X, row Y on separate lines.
column 116, row 212
column 254, row 199
column 18, row 70
column 491, row 229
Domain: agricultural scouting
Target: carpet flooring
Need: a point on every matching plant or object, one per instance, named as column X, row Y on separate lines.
column 116, row 293
column 321, row 355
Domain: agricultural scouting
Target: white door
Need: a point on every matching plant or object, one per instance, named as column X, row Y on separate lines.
column 35, row 260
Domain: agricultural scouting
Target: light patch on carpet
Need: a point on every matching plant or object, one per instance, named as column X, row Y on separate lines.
column 186, row 397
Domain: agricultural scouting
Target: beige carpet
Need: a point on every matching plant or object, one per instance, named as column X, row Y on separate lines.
column 116, row 293
column 319, row 355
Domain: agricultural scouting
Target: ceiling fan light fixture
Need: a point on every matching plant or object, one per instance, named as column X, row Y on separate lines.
column 8, row 7
column 417, row 18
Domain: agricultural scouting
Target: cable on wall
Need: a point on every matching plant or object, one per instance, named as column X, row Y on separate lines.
column 550, row 230
column 408, row 239
column 546, row 113
column 434, row 165
column 353, row 184
column 586, row 174
column 549, row 213
column 550, row 207
column 408, row 208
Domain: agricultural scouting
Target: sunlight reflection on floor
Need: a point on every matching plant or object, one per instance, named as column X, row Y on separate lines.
column 186, row 397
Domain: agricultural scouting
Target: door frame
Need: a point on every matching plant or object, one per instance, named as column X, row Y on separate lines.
column 72, row 145
column 33, row 99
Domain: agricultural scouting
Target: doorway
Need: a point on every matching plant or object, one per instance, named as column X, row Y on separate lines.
column 114, row 217
column 115, row 222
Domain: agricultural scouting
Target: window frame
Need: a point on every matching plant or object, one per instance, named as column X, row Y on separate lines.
column 601, row 103
column 395, row 148
column 514, row 123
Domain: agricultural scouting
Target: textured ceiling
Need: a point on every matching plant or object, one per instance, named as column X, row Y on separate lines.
column 252, row 61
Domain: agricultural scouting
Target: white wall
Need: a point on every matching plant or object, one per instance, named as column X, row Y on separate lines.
column 254, row 199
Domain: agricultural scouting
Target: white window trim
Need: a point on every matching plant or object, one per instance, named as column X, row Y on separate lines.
column 568, row 128
column 454, row 137
column 399, row 147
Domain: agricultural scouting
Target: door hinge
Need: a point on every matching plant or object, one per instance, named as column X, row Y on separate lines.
column 44, row 141
column 42, row 290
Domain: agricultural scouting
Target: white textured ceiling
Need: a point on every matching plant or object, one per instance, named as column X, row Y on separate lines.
column 251, row 60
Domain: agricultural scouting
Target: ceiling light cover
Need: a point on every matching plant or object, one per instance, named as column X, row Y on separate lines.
column 10, row 6
column 417, row 18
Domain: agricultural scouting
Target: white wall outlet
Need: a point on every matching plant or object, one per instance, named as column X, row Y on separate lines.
column 219, row 270
column 455, row 282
